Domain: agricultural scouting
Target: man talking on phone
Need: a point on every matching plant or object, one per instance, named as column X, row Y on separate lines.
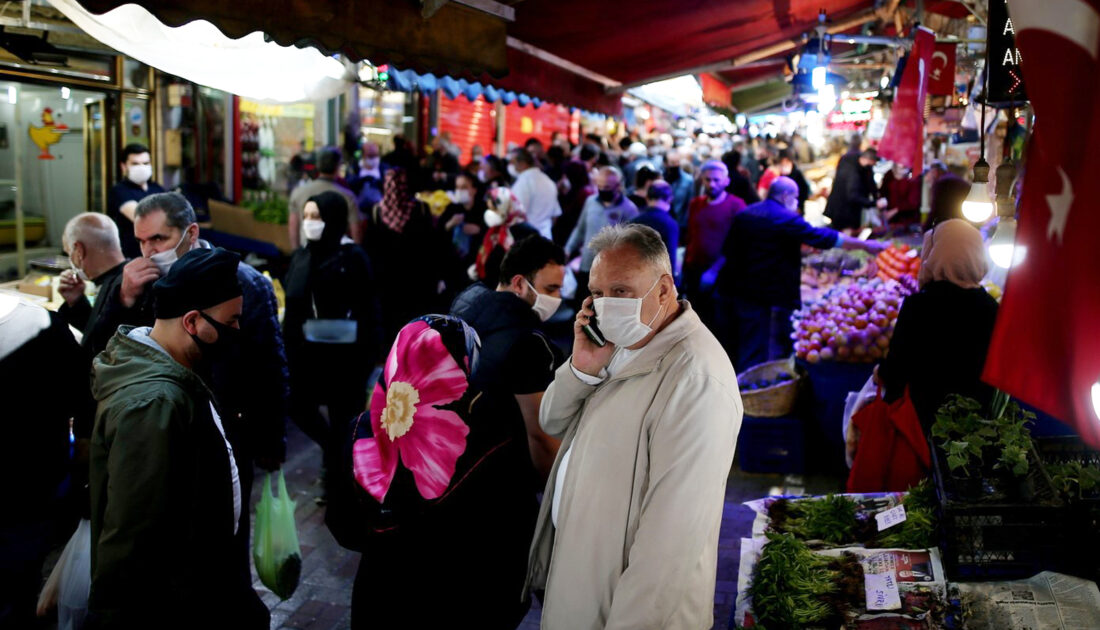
column 627, row 535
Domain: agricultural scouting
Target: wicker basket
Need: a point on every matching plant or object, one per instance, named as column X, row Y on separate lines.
column 777, row 400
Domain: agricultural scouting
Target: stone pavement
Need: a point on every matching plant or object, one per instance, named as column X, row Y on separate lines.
column 323, row 598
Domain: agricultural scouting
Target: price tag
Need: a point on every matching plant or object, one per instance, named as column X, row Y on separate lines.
column 888, row 518
column 882, row 591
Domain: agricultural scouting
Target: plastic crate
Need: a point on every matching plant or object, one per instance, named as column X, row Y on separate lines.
column 772, row 445
column 1000, row 539
column 1082, row 520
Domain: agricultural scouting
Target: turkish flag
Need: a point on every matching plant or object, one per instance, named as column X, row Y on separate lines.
column 1046, row 345
column 941, row 80
column 903, row 141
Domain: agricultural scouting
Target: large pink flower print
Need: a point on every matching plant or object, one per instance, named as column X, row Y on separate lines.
column 420, row 375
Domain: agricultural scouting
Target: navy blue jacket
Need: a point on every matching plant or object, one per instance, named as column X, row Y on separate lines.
column 666, row 226
column 764, row 255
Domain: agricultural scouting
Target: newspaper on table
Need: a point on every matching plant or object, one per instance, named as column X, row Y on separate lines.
column 1048, row 600
column 867, row 505
column 913, row 576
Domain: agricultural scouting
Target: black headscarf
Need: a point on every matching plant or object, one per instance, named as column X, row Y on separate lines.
column 334, row 212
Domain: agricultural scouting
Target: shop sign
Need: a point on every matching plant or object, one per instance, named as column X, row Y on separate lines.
column 1006, row 79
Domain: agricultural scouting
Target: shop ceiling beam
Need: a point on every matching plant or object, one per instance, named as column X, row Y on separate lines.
column 503, row 11
column 40, row 26
column 756, row 55
column 609, row 84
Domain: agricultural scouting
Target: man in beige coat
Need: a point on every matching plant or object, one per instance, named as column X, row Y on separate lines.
column 628, row 532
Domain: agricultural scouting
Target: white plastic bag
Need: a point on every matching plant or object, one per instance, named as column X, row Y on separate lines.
column 70, row 581
column 852, row 404
column 76, row 580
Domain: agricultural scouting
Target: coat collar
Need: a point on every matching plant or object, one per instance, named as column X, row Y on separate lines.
column 649, row 357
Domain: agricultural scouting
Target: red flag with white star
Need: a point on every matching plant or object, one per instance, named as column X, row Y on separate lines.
column 903, row 141
column 1046, row 345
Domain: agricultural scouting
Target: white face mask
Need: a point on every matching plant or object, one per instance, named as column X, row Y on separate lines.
column 545, row 305
column 461, row 196
column 620, row 319
column 139, row 173
column 164, row 260
column 371, row 163
column 313, row 228
column 78, row 271
column 492, row 219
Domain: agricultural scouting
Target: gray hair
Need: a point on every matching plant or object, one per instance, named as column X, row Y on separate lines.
column 95, row 230
column 613, row 170
column 178, row 211
column 644, row 240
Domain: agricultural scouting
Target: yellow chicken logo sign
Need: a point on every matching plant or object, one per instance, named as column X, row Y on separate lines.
column 49, row 133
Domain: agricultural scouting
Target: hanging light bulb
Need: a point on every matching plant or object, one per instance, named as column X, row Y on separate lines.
column 884, row 82
column 978, row 207
column 817, row 78
column 1002, row 247
column 1096, row 398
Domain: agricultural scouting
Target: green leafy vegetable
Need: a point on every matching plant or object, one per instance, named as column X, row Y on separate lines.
column 831, row 519
column 791, row 585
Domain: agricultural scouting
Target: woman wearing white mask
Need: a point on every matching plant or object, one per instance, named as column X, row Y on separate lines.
column 506, row 223
column 136, row 184
column 332, row 326
column 464, row 219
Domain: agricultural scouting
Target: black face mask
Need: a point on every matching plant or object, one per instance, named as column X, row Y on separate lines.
column 672, row 174
column 607, row 196
column 223, row 347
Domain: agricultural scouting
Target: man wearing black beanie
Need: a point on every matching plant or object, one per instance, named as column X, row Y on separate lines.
column 165, row 491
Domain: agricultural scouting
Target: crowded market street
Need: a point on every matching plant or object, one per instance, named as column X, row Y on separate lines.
column 550, row 314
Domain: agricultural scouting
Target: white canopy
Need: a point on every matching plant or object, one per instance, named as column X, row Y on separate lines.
column 197, row 51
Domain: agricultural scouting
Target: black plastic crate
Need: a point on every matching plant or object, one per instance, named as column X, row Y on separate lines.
column 1000, row 538
column 1082, row 518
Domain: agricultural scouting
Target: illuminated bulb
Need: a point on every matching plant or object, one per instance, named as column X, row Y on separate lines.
column 65, row 93
column 1002, row 247
column 884, row 82
column 1096, row 398
column 817, row 79
column 826, row 98
column 978, row 207
column 12, row 96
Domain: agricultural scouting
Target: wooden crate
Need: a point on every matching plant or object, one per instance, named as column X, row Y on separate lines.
column 238, row 221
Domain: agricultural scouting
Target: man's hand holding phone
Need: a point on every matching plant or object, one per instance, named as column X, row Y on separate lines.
column 588, row 356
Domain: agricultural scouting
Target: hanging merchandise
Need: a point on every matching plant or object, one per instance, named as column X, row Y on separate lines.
column 903, row 141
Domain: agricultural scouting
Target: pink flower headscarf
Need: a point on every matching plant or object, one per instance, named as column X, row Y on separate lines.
column 407, row 419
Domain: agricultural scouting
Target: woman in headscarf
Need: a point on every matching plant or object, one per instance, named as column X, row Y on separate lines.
column 411, row 258
column 942, row 333
column 331, row 326
column 506, row 224
column 440, row 499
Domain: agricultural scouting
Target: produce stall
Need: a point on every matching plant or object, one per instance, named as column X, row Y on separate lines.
column 871, row 561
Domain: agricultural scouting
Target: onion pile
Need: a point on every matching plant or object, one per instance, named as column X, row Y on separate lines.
column 851, row 323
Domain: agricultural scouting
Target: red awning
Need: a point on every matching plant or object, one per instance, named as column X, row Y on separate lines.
column 531, row 75
column 756, row 73
column 632, row 42
column 716, row 92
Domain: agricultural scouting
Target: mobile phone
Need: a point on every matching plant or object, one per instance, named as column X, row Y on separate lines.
column 593, row 332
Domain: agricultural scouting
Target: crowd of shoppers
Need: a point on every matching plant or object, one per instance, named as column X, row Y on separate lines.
column 675, row 265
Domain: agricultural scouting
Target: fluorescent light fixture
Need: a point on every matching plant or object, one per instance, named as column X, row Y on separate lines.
column 65, row 93
column 817, row 78
column 1002, row 247
column 978, row 207
column 13, row 96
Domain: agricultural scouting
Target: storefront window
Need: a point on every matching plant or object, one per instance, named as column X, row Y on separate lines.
column 382, row 115
column 57, row 136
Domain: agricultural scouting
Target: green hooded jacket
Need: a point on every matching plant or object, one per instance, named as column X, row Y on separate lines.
column 162, row 500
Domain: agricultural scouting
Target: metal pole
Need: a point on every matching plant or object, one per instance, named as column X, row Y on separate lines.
column 20, row 228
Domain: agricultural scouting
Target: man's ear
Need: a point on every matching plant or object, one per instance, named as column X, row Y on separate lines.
column 190, row 322
column 518, row 284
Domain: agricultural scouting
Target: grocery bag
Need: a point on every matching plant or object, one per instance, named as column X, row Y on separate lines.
column 70, row 580
column 76, row 580
column 275, row 549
